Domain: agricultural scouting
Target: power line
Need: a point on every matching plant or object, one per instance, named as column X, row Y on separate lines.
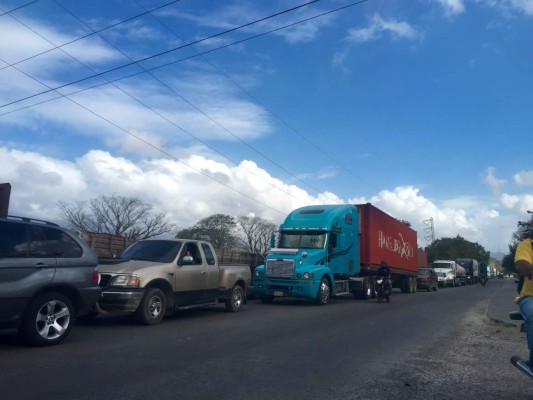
column 168, row 51
column 158, row 113
column 141, row 102
column 170, row 62
column 18, row 8
column 158, row 148
column 90, row 34
column 200, row 54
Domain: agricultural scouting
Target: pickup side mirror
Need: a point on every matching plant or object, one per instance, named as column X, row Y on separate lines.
column 187, row 260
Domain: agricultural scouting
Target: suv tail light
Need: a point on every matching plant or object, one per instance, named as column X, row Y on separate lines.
column 96, row 277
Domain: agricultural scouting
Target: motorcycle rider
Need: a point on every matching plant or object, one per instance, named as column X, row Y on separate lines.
column 385, row 272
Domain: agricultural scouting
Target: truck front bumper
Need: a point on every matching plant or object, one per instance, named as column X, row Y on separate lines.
column 119, row 299
column 286, row 288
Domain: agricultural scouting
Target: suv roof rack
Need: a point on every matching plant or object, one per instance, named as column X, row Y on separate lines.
column 26, row 219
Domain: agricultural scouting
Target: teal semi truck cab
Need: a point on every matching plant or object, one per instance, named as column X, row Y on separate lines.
column 329, row 250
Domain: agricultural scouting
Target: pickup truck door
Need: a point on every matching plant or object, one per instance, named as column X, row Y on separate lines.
column 190, row 279
column 213, row 272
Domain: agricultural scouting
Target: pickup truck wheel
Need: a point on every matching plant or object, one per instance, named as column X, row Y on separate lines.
column 152, row 308
column 322, row 296
column 234, row 303
column 48, row 319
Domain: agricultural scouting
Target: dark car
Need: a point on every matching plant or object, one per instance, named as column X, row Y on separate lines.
column 427, row 279
column 48, row 277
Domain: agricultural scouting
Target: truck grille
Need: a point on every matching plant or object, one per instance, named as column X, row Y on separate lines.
column 283, row 268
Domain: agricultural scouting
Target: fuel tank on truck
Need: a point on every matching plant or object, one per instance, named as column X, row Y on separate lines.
column 383, row 237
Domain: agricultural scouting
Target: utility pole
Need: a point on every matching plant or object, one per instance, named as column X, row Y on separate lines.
column 5, row 192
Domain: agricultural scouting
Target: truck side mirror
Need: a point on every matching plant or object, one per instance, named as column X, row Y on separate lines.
column 187, row 260
column 272, row 240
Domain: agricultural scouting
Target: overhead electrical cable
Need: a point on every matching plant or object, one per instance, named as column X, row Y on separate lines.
column 19, row 7
column 90, row 34
column 171, row 62
column 256, row 100
column 200, row 111
column 178, row 48
column 158, row 148
column 139, row 101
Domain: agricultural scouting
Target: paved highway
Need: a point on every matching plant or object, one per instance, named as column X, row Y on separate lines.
column 452, row 344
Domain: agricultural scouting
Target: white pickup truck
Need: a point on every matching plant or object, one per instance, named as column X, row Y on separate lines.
column 155, row 277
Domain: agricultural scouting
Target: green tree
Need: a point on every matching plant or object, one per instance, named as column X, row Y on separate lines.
column 219, row 229
column 523, row 231
column 116, row 215
column 454, row 248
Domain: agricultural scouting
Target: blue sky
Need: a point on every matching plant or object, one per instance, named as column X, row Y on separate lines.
column 422, row 108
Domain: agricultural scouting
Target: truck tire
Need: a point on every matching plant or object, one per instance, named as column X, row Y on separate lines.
column 48, row 320
column 324, row 291
column 266, row 299
column 234, row 303
column 366, row 291
column 152, row 308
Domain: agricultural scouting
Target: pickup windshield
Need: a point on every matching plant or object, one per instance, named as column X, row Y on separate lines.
column 300, row 240
column 163, row 251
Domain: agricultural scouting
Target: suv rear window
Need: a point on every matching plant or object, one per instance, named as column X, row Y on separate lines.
column 13, row 240
column 60, row 244
column 43, row 242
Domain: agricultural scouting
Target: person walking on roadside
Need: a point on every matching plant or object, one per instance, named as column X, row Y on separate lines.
column 523, row 263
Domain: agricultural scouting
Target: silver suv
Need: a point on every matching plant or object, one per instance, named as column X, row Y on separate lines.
column 48, row 277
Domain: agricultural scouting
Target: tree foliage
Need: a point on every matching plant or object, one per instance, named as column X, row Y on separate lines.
column 524, row 229
column 116, row 215
column 247, row 234
column 454, row 248
column 219, row 229
column 254, row 235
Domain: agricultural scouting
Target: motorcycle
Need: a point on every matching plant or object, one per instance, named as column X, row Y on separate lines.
column 382, row 292
column 484, row 280
column 518, row 362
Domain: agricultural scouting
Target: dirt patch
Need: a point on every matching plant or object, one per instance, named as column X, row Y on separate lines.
column 471, row 363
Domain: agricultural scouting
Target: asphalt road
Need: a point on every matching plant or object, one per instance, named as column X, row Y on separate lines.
column 453, row 344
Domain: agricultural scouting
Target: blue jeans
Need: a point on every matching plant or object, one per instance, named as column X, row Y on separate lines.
column 526, row 309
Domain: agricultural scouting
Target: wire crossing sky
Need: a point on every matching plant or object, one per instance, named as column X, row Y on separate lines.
column 421, row 109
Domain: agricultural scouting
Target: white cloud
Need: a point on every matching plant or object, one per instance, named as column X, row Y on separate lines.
column 452, row 7
column 495, row 184
column 197, row 187
column 379, row 26
column 506, row 7
column 524, row 178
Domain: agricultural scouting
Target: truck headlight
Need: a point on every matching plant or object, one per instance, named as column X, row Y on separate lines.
column 125, row 280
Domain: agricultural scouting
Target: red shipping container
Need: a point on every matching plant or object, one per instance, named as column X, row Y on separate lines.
column 383, row 237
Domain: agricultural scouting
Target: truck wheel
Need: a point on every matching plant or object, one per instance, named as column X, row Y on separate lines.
column 152, row 308
column 234, row 303
column 266, row 299
column 324, row 292
column 365, row 293
column 48, row 320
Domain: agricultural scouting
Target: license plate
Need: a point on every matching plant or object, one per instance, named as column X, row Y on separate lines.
column 278, row 293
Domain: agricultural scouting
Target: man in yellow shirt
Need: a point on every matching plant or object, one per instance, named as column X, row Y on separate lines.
column 523, row 263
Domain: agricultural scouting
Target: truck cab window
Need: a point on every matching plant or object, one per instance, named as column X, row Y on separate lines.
column 209, row 256
column 191, row 249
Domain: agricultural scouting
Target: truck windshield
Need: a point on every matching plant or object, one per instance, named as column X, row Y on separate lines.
column 441, row 265
column 300, row 240
column 163, row 251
